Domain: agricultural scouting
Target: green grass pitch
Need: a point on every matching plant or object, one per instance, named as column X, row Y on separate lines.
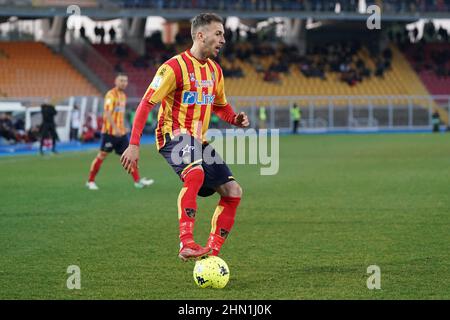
column 338, row 205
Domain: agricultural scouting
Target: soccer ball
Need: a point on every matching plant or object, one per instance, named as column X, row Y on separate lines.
column 211, row 272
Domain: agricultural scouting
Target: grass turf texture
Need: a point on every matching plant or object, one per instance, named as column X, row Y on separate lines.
column 337, row 205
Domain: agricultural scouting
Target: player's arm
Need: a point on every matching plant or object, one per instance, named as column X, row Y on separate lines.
column 163, row 83
column 224, row 110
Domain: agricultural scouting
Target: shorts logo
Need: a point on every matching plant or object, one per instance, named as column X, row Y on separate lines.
column 187, row 153
column 108, row 145
column 191, row 97
column 187, row 149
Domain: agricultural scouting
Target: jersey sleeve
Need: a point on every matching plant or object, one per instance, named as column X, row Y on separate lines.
column 163, row 83
column 220, row 99
column 109, row 102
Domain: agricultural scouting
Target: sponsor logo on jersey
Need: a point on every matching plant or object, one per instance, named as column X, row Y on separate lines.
column 191, row 97
column 156, row 83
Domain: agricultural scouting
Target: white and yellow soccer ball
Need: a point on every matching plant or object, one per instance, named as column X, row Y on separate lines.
column 211, row 272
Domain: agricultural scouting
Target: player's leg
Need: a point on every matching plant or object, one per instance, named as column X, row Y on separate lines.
column 120, row 144
column 223, row 219
column 187, row 209
column 218, row 178
column 54, row 135
column 44, row 135
column 95, row 168
column 105, row 148
column 139, row 182
column 181, row 156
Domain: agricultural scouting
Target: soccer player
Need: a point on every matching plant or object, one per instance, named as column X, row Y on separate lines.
column 191, row 86
column 114, row 135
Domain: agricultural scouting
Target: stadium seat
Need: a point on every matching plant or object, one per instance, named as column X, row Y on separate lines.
column 31, row 69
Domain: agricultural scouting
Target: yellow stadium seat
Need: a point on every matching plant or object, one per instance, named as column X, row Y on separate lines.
column 33, row 70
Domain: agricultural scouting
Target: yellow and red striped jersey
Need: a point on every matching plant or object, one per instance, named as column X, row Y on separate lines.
column 187, row 89
column 115, row 103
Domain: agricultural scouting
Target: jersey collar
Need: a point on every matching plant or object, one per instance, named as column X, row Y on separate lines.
column 188, row 52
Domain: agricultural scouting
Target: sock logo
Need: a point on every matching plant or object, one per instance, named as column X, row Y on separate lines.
column 224, row 233
column 190, row 212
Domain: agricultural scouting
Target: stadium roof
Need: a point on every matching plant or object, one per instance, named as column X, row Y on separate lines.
column 113, row 13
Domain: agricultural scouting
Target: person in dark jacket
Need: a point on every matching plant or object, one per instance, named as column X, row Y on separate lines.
column 48, row 127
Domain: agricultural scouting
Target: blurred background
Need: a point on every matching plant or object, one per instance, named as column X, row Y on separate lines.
column 319, row 55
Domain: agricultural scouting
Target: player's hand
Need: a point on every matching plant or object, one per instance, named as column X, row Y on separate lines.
column 241, row 120
column 130, row 157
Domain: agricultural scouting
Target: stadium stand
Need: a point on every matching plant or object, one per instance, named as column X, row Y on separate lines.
column 432, row 62
column 121, row 58
column 31, row 69
column 400, row 79
column 246, row 71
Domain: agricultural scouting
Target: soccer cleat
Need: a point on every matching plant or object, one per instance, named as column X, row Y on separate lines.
column 215, row 243
column 91, row 185
column 146, row 182
column 192, row 250
column 143, row 182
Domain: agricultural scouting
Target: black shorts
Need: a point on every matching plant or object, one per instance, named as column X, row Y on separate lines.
column 110, row 143
column 184, row 152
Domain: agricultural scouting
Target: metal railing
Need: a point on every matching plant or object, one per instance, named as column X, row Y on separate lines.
column 329, row 113
column 318, row 113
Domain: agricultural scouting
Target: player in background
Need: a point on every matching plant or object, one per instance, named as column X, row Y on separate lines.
column 114, row 135
column 191, row 86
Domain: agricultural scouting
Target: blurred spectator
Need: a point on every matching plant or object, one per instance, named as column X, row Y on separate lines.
column 19, row 128
column 48, row 127
column 75, row 123
column 272, row 76
column 429, row 30
column 112, row 34
column 140, row 62
column 33, row 134
column 435, row 121
column 362, row 69
column 82, row 32
column 236, row 71
column 295, row 117
column 415, row 34
column 118, row 67
column 96, row 33
column 121, row 51
column 443, row 34
column 380, row 66
column 89, row 132
column 262, row 116
column 256, row 64
column 101, row 33
column 7, row 130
